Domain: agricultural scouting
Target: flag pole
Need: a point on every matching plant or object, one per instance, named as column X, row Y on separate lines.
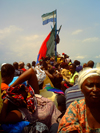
column 55, row 37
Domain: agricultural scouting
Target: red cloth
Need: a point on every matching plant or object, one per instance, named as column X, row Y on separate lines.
column 4, row 86
column 23, row 69
column 66, row 85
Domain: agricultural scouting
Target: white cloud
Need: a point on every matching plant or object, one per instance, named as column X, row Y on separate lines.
column 11, row 28
column 80, row 57
column 15, row 45
column 31, row 37
column 8, row 30
column 97, row 56
column 77, row 32
column 26, row 44
column 24, row 48
column 97, row 24
column 94, row 39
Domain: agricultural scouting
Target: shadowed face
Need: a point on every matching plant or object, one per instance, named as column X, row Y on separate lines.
column 91, row 89
column 72, row 69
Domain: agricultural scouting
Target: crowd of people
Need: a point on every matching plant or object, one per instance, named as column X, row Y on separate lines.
column 61, row 94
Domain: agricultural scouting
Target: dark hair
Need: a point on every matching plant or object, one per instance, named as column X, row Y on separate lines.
column 90, row 64
column 76, row 62
column 44, row 64
column 56, row 65
column 33, row 63
column 28, row 65
column 61, row 99
column 73, row 64
column 7, row 70
column 51, row 70
column 64, row 65
column 15, row 64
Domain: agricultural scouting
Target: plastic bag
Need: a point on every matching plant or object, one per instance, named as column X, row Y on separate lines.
column 35, row 127
column 14, row 128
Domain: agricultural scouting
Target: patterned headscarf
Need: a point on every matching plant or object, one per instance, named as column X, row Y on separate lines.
column 87, row 72
column 13, row 95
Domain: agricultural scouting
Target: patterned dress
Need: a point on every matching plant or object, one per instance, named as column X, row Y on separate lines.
column 75, row 118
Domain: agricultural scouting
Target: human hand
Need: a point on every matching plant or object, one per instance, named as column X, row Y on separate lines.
column 6, row 101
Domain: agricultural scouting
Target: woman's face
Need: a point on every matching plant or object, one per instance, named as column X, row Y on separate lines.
column 72, row 69
column 91, row 89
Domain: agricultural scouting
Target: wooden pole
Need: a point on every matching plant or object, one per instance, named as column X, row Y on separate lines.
column 55, row 37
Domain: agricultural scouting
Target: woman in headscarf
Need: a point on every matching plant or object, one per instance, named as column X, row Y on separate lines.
column 83, row 116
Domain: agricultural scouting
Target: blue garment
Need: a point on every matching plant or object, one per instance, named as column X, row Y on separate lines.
column 14, row 128
column 73, row 93
column 55, row 90
column 78, row 68
column 14, row 79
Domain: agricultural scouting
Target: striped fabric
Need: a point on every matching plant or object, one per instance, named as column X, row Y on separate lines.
column 48, row 46
column 49, row 17
column 73, row 93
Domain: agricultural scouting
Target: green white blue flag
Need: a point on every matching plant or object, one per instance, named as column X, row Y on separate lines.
column 49, row 17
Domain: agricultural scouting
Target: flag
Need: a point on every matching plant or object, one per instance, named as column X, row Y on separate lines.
column 48, row 46
column 49, row 17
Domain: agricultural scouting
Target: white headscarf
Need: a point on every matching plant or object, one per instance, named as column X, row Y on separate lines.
column 3, row 64
column 87, row 72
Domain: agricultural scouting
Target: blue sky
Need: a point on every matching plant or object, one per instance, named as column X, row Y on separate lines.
column 22, row 32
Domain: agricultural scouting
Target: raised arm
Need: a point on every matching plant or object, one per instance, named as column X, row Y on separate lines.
column 29, row 76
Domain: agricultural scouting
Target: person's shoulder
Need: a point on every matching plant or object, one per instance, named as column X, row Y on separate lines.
column 78, row 102
column 76, row 73
column 72, row 89
column 79, row 68
column 73, row 93
column 4, row 86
